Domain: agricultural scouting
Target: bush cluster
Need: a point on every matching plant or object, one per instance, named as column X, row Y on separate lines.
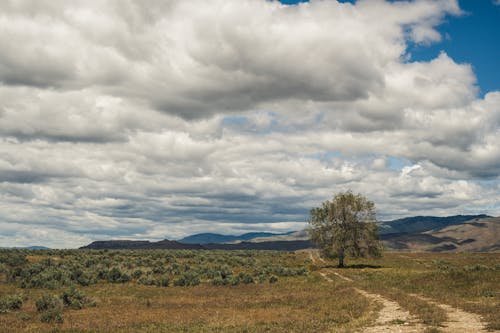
column 51, row 306
column 53, row 269
column 10, row 303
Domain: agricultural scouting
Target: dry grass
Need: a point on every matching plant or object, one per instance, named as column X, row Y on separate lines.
column 293, row 304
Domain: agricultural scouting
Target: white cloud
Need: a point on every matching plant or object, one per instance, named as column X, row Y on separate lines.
column 127, row 120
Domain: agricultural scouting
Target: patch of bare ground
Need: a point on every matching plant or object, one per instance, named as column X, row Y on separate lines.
column 391, row 317
column 458, row 320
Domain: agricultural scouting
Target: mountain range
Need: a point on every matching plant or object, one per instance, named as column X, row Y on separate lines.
column 420, row 233
column 207, row 238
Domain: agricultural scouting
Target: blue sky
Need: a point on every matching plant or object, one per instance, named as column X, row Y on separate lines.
column 162, row 119
column 472, row 38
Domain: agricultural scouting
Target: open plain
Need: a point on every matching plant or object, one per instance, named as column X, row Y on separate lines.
column 246, row 291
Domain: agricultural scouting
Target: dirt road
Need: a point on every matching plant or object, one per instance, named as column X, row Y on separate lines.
column 393, row 318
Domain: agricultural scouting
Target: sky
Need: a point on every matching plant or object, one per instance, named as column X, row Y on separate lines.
column 160, row 119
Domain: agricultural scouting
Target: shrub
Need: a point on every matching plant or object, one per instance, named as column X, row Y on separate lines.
column 273, row 279
column 116, row 276
column 12, row 258
column 137, row 274
column 219, row 281
column 52, row 316
column 48, row 302
column 245, row 278
column 164, row 281
column 81, row 277
column 233, row 280
column 74, row 298
column 10, row 303
column 476, row 268
column 146, row 280
column 187, row 279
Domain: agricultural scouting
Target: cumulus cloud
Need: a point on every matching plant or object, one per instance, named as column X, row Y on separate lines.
column 159, row 119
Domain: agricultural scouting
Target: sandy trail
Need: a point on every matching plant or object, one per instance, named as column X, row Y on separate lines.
column 458, row 320
column 390, row 318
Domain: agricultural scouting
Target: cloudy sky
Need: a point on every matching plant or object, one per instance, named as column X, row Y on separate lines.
column 157, row 119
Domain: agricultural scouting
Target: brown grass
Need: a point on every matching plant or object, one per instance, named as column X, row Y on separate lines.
column 293, row 304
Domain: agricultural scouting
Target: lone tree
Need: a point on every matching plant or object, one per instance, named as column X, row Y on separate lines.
column 344, row 227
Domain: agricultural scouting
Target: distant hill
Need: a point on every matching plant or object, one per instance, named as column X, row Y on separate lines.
column 429, row 233
column 139, row 245
column 36, row 247
column 173, row 245
column 293, row 236
column 461, row 233
column 33, row 247
column 207, row 238
column 477, row 235
column 424, row 223
column 272, row 245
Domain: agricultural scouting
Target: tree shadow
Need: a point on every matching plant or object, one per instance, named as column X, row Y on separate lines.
column 357, row 266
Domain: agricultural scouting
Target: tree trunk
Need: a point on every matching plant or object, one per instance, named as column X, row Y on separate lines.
column 341, row 261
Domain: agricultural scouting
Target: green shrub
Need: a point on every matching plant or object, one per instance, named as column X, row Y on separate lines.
column 52, row 316
column 219, row 281
column 73, row 298
column 476, row 268
column 147, row 280
column 115, row 275
column 137, row 274
column 187, row 279
column 12, row 258
column 233, row 280
column 10, row 303
column 48, row 302
column 245, row 278
column 164, row 281
column 273, row 279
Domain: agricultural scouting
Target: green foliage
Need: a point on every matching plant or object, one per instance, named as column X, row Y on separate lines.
column 147, row 280
column 273, row 279
column 62, row 269
column 52, row 316
column 245, row 278
column 48, row 302
column 115, row 275
column 12, row 258
column 164, row 281
column 137, row 274
column 345, row 227
column 10, row 303
column 75, row 299
column 219, row 281
column 187, row 279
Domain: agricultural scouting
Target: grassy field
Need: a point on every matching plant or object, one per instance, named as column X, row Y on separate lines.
column 470, row 281
column 231, row 291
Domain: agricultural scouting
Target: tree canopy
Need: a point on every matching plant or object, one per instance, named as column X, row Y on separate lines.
column 345, row 226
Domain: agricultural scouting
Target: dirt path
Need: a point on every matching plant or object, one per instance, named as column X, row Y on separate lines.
column 458, row 320
column 390, row 318
column 393, row 318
